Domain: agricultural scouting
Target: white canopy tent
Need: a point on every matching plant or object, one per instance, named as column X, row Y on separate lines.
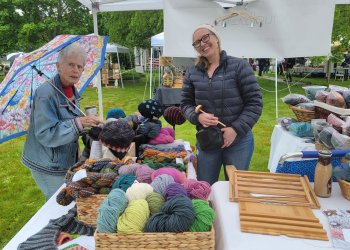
column 156, row 41
column 117, row 48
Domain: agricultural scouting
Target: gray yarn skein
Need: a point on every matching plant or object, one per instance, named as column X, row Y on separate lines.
column 160, row 183
column 177, row 215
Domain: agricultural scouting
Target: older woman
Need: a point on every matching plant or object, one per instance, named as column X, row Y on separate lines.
column 51, row 146
column 227, row 89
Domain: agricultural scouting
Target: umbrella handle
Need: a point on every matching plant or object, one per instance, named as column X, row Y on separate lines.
column 315, row 154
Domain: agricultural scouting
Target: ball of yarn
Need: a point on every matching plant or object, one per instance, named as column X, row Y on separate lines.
column 173, row 115
column 134, row 218
column 174, row 189
column 155, row 202
column 143, row 173
column 176, row 215
column 204, row 218
column 197, row 189
column 128, row 169
column 160, row 183
column 178, row 176
column 139, row 191
column 109, row 211
column 124, row 182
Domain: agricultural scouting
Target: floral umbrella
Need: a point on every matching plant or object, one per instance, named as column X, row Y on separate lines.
column 33, row 69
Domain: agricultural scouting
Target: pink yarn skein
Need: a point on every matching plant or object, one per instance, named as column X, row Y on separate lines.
column 143, row 174
column 128, row 169
column 178, row 176
column 197, row 189
column 165, row 136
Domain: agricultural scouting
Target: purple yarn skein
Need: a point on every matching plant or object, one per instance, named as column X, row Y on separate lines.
column 173, row 190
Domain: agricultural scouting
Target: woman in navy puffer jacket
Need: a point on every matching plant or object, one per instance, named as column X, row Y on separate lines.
column 228, row 91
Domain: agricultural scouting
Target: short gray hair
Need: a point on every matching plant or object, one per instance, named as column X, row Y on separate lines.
column 72, row 49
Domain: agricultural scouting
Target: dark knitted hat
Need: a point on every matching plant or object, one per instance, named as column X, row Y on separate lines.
column 150, row 108
column 117, row 134
column 173, row 115
column 115, row 113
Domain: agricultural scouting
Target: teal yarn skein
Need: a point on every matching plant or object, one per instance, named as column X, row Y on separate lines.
column 109, row 211
column 124, row 182
column 176, row 215
column 205, row 216
column 155, row 202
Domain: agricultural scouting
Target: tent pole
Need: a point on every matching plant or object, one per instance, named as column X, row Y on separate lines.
column 98, row 75
column 133, row 77
column 120, row 70
column 150, row 77
column 276, row 74
column 159, row 67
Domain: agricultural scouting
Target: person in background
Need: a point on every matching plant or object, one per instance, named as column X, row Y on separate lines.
column 56, row 122
column 261, row 64
column 267, row 66
column 290, row 62
column 228, row 91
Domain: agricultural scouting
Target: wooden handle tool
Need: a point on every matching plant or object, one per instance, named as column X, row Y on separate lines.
column 198, row 109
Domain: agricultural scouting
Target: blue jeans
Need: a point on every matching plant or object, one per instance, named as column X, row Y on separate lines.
column 209, row 162
column 48, row 184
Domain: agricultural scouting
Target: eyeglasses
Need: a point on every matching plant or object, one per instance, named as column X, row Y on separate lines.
column 204, row 39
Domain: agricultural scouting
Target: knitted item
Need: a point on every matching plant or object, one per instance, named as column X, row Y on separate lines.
column 45, row 239
column 165, row 136
column 150, row 108
column 150, row 128
column 117, row 135
column 115, row 113
column 173, row 115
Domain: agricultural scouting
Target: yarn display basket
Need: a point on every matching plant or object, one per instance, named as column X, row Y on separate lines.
column 168, row 240
column 87, row 208
column 303, row 115
column 345, row 188
column 323, row 110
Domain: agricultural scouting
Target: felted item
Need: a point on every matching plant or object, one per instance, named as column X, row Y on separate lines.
column 115, row 113
column 117, row 134
column 165, row 136
column 45, row 239
column 173, row 115
column 150, row 108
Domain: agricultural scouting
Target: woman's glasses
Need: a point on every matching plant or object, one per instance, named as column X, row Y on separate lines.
column 204, row 39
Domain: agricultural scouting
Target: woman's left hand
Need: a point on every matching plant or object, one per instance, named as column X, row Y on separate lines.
column 229, row 136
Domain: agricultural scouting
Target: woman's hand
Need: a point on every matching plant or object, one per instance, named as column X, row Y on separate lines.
column 207, row 119
column 90, row 120
column 229, row 136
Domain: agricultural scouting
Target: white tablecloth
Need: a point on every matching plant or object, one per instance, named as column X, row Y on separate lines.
column 283, row 142
column 227, row 226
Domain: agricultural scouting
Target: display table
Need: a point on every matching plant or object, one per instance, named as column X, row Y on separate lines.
column 52, row 210
column 283, row 142
column 227, row 226
column 168, row 96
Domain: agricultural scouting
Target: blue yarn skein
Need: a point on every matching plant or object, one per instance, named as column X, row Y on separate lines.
column 160, row 183
column 176, row 215
column 124, row 182
column 109, row 211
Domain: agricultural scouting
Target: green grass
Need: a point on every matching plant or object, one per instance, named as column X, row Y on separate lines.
column 21, row 198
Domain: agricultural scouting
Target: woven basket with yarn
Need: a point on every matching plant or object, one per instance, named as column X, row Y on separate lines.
column 303, row 115
column 345, row 188
column 87, row 208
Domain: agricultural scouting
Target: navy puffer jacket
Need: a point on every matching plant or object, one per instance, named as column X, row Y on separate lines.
column 232, row 94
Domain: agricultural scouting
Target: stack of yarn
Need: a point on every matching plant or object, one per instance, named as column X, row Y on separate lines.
column 169, row 203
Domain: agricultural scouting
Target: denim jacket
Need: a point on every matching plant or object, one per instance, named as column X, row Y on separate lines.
column 52, row 145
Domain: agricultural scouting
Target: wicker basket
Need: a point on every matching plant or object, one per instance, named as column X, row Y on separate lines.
column 345, row 188
column 323, row 110
column 186, row 240
column 87, row 208
column 320, row 146
column 303, row 115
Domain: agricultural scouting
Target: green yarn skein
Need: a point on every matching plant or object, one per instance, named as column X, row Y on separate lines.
column 155, row 202
column 134, row 218
column 204, row 218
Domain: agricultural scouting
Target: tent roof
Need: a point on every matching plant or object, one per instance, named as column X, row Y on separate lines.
column 117, row 5
column 114, row 48
column 157, row 40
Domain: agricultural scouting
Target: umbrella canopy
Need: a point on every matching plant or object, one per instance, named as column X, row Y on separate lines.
column 33, row 69
column 12, row 56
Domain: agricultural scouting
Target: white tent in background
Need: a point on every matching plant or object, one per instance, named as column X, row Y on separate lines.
column 157, row 41
column 117, row 48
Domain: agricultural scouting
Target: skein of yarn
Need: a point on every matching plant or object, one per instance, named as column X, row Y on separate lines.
column 160, row 183
column 205, row 216
column 174, row 189
column 155, row 202
column 128, row 169
column 109, row 211
column 124, row 182
column 134, row 218
column 178, row 176
column 197, row 189
column 138, row 191
column 143, row 174
column 176, row 215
